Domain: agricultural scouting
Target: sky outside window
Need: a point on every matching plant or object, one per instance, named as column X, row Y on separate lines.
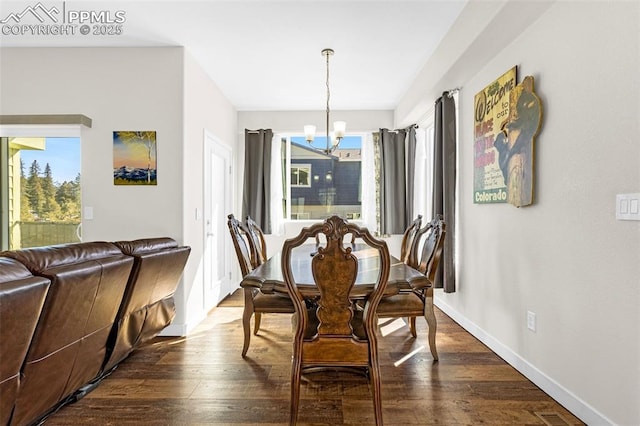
column 348, row 142
column 62, row 154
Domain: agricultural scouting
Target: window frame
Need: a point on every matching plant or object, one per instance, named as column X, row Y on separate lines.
column 302, row 166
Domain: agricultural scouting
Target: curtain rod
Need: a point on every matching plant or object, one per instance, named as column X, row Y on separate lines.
column 255, row 131
column 414, row 125
column 452, row 92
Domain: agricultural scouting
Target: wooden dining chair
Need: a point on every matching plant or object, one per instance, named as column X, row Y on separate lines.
column 256, row 302
column 429, row 241
column 330, row 330
column 407, row 252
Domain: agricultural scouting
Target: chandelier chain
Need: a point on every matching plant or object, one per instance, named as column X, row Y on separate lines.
column 328, row 97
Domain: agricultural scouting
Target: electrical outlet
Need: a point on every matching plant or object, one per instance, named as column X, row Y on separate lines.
column 531, row 321
column 88, row 213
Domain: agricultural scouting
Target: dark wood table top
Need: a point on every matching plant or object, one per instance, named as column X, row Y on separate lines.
column 268, row 276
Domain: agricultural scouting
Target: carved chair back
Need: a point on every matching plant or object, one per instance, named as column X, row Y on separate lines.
column 257, row 243
column 240, row 243
column 432, row 246
column 407, row 253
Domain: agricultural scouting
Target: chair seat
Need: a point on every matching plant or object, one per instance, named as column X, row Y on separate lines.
column 272, row 303
column 403, row 304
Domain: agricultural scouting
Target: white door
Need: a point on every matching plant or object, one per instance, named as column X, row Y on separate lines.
column 217, row 204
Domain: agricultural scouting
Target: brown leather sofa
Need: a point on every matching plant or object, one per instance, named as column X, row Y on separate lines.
column 22, row 296
column 88, row 306
column 147, row 306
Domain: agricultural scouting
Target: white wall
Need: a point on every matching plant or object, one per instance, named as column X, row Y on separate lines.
column 294, row 121
column 566, row 258
column 206, row 108
column 119, row 89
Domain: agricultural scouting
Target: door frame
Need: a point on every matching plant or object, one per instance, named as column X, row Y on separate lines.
column 211, row 144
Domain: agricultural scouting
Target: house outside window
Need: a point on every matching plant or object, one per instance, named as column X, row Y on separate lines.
column 319, row 185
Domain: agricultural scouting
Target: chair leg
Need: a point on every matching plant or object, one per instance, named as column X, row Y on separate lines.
column 430, row 316
column 246, row 319
column 256, row 324
column 412, row 327
column 296, row 372
column 374, row 372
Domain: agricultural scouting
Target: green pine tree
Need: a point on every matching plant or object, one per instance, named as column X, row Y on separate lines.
column 67, row 197
column 33, row 190
column 25, row 209
column 50, row 207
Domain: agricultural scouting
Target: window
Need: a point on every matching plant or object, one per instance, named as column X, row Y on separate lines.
column 423, row 186
column 318, row 184
column 423, row 183
column 300, row 175
column 40, row 191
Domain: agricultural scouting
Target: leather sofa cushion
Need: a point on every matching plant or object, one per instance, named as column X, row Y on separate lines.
column 146, row 245
column 22, row 296
column 41, row 259
column 147, row 306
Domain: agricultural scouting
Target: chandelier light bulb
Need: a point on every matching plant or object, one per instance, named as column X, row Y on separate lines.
column 339, row 128
column 309, row 132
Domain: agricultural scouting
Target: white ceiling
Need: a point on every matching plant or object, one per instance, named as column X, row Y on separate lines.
column 265, row 54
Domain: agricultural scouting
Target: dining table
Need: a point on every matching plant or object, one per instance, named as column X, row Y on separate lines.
column 268, row 278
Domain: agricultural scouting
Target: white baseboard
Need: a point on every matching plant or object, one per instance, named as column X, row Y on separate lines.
column 183, row 329
column 571, row 402
column 174, row 330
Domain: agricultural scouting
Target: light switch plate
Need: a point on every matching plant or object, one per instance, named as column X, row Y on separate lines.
column 531, row 321
column 628, row 206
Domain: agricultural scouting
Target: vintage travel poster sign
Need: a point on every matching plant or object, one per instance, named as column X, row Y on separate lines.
column 492, row 107
column 507, row 119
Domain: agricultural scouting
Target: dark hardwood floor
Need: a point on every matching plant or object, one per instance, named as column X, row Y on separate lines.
column 203, row 380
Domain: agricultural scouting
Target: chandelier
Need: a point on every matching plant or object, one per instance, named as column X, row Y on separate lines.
column 339, row 127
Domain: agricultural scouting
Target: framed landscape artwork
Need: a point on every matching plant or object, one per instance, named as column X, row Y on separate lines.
column 134, row 158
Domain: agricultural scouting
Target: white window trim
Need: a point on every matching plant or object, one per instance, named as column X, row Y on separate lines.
column 302, row 166
column 40, row 131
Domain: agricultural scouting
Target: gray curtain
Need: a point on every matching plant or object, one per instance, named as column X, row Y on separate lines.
column 257, row 177
column 444, row 186
column 397, row 170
